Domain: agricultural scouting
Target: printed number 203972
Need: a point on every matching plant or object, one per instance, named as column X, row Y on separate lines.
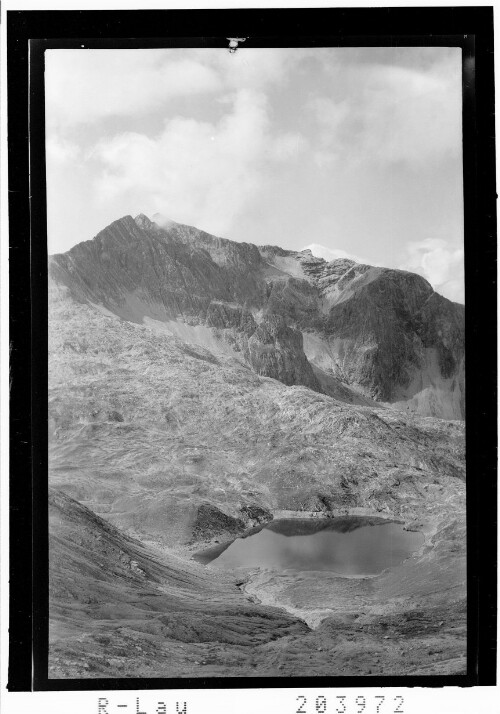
column 378, row 704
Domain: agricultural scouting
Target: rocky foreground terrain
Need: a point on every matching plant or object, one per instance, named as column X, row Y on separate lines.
column 199, row 387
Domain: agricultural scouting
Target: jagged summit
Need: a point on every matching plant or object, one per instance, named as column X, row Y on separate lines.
column 382, row 333
column 144, row 222
column 157, row 222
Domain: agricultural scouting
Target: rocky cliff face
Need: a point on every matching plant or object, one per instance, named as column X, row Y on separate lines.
column 276, row 350
column 385, row 332
column 378, row 333
column 136, row 269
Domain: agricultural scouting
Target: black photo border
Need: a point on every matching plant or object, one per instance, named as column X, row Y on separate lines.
column 29, row 34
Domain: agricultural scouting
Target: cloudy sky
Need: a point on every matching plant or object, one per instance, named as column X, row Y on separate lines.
column 347, row 151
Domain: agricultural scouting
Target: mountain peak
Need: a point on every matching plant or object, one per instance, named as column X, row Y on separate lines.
column 377, row 329
column 158, row 221
column 143, row 221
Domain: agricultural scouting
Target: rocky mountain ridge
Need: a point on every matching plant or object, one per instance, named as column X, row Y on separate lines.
column 374, row 333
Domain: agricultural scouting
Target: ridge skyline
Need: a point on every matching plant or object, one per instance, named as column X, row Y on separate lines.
column 380, row 333
column 167, row 222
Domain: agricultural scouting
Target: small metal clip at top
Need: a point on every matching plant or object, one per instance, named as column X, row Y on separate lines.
column 233, row 42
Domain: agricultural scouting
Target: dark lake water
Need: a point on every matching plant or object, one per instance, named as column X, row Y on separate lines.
column 347, row 545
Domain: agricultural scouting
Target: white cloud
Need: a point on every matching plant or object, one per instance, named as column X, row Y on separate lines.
column 328, row 254
column 324, row 159
column 195, row 172
column 393, row 114
column 211, row 172
column 251, row 68
column 332, row 114
column 288, row 146
column 85, row 86
column 61, row 151
column 441, row 263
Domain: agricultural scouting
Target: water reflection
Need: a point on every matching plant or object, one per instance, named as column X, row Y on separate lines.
column 347, row 546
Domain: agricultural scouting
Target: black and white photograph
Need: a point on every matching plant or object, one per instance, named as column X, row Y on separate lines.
column 256, row 361
column 255, row 403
